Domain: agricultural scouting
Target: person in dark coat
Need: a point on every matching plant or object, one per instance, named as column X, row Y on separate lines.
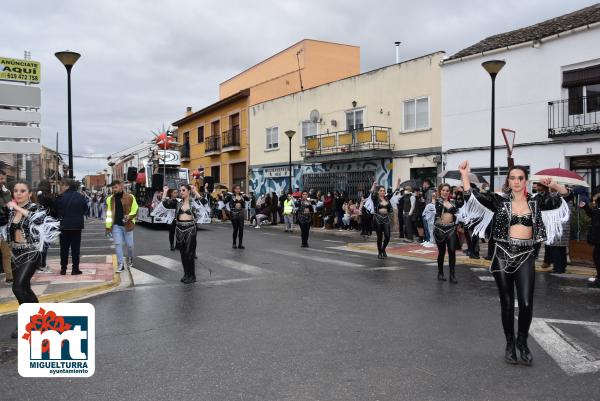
column 45, row 200
column 71, row 207
column 593, row 211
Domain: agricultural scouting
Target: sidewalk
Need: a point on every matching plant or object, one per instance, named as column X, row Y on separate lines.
column 98, row 277
column 398, row 247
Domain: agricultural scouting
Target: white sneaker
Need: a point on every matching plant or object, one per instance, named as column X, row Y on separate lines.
column 256, row 226
column 129, row 262
column 44, row 269
column 121, row 268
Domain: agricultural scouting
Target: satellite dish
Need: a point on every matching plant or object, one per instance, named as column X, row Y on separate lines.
column 314, row 116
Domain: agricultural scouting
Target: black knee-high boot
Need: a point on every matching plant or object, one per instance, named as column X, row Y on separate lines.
column 452, row 263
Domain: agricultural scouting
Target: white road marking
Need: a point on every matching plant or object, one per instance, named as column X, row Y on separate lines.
column 478, row 269
column 271, row 234
column 140, row 277
column 486, row 278
column 163, row 261
column 334, row 253
column 233, row 264
column 390, row 268
column 563, row 348
column 91, row 247
column 229, row 281
column 315, row 258
column 332, row 240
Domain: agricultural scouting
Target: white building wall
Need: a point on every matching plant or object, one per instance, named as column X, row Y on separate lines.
column 379, row 93
column 531, row 78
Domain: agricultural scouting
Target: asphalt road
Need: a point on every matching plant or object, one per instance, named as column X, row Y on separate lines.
column 277, row 322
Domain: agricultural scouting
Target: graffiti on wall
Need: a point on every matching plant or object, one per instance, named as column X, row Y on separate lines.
column 260, row 183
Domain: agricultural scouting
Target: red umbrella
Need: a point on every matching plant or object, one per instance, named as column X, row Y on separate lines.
column 561, row 176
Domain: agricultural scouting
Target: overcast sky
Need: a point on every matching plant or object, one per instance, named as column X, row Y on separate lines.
column 143, row 62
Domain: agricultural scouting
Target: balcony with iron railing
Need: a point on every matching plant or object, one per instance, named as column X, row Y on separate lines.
column 185, row 152
column 231, row 140
column 366, row 142
column 212, row 145
column 574, row 116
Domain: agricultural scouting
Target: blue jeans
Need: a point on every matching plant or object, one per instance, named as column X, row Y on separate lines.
column 121, row 236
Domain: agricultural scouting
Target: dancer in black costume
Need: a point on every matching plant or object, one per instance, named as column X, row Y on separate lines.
column 28, row 230
column 236, row 203
column 304, row 211
column 186, row 214
column 444, row 231
column 172, row 194
column 381, row 207
column 520, row 222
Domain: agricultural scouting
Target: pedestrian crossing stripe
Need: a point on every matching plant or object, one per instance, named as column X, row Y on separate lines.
column 574, row 356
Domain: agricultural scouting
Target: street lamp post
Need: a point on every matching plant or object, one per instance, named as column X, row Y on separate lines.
column 290, row 134
column 493, row 67
column 69, row 59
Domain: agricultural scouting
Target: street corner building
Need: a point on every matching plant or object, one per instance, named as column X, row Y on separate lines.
column 215, row 140
column 376, row 126
column 548, row 92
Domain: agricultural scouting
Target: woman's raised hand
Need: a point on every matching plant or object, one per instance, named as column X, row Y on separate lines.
column 464, row 167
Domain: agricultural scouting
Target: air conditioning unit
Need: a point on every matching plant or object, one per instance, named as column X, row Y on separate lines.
column 437, row 159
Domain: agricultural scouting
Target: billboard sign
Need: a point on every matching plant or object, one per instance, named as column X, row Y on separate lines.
column 19, row 70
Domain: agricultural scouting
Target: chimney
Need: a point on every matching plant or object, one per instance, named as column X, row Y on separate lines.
column 397, row 51
column 188, row 110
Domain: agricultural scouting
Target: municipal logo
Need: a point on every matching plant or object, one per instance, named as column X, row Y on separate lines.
column 57, row 340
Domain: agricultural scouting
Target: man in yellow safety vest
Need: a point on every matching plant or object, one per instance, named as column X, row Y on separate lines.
column 288, row 212
column 121, row 209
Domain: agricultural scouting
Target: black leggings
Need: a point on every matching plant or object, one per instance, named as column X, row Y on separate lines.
column 446, row 239
column 187, row 249
column 366, row 223
column 442, row 253
column 24, row 264
column 304, row 231
column 237, row 220
column 523, row 279
column 383, row 235
column 596, row 257
column 172, row 235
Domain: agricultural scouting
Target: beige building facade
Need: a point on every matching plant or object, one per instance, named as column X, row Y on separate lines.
column 380, row 125
column 216, row 139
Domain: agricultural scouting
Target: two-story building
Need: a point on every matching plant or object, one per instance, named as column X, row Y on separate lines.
column 379, row 125
column 215, row 139
column 548, row 92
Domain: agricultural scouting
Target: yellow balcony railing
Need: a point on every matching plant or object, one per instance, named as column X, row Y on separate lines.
column 364, row 138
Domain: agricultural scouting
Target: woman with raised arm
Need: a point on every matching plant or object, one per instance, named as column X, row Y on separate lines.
column 381, row 207
column 28, row 231
column 236, row 204
column 520, row 222
column 444, row 231
column 187, row 211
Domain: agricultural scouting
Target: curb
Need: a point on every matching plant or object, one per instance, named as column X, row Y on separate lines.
column 465, row 260
column 69, row 295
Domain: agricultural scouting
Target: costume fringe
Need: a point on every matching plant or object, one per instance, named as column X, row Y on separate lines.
column 476, row 216
column 162, row 212
column 553, row 221
column 202, row 212
column 395, row 199
column 43, row 228
column 369, row 205
column 429, row 212
column 3, row 232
